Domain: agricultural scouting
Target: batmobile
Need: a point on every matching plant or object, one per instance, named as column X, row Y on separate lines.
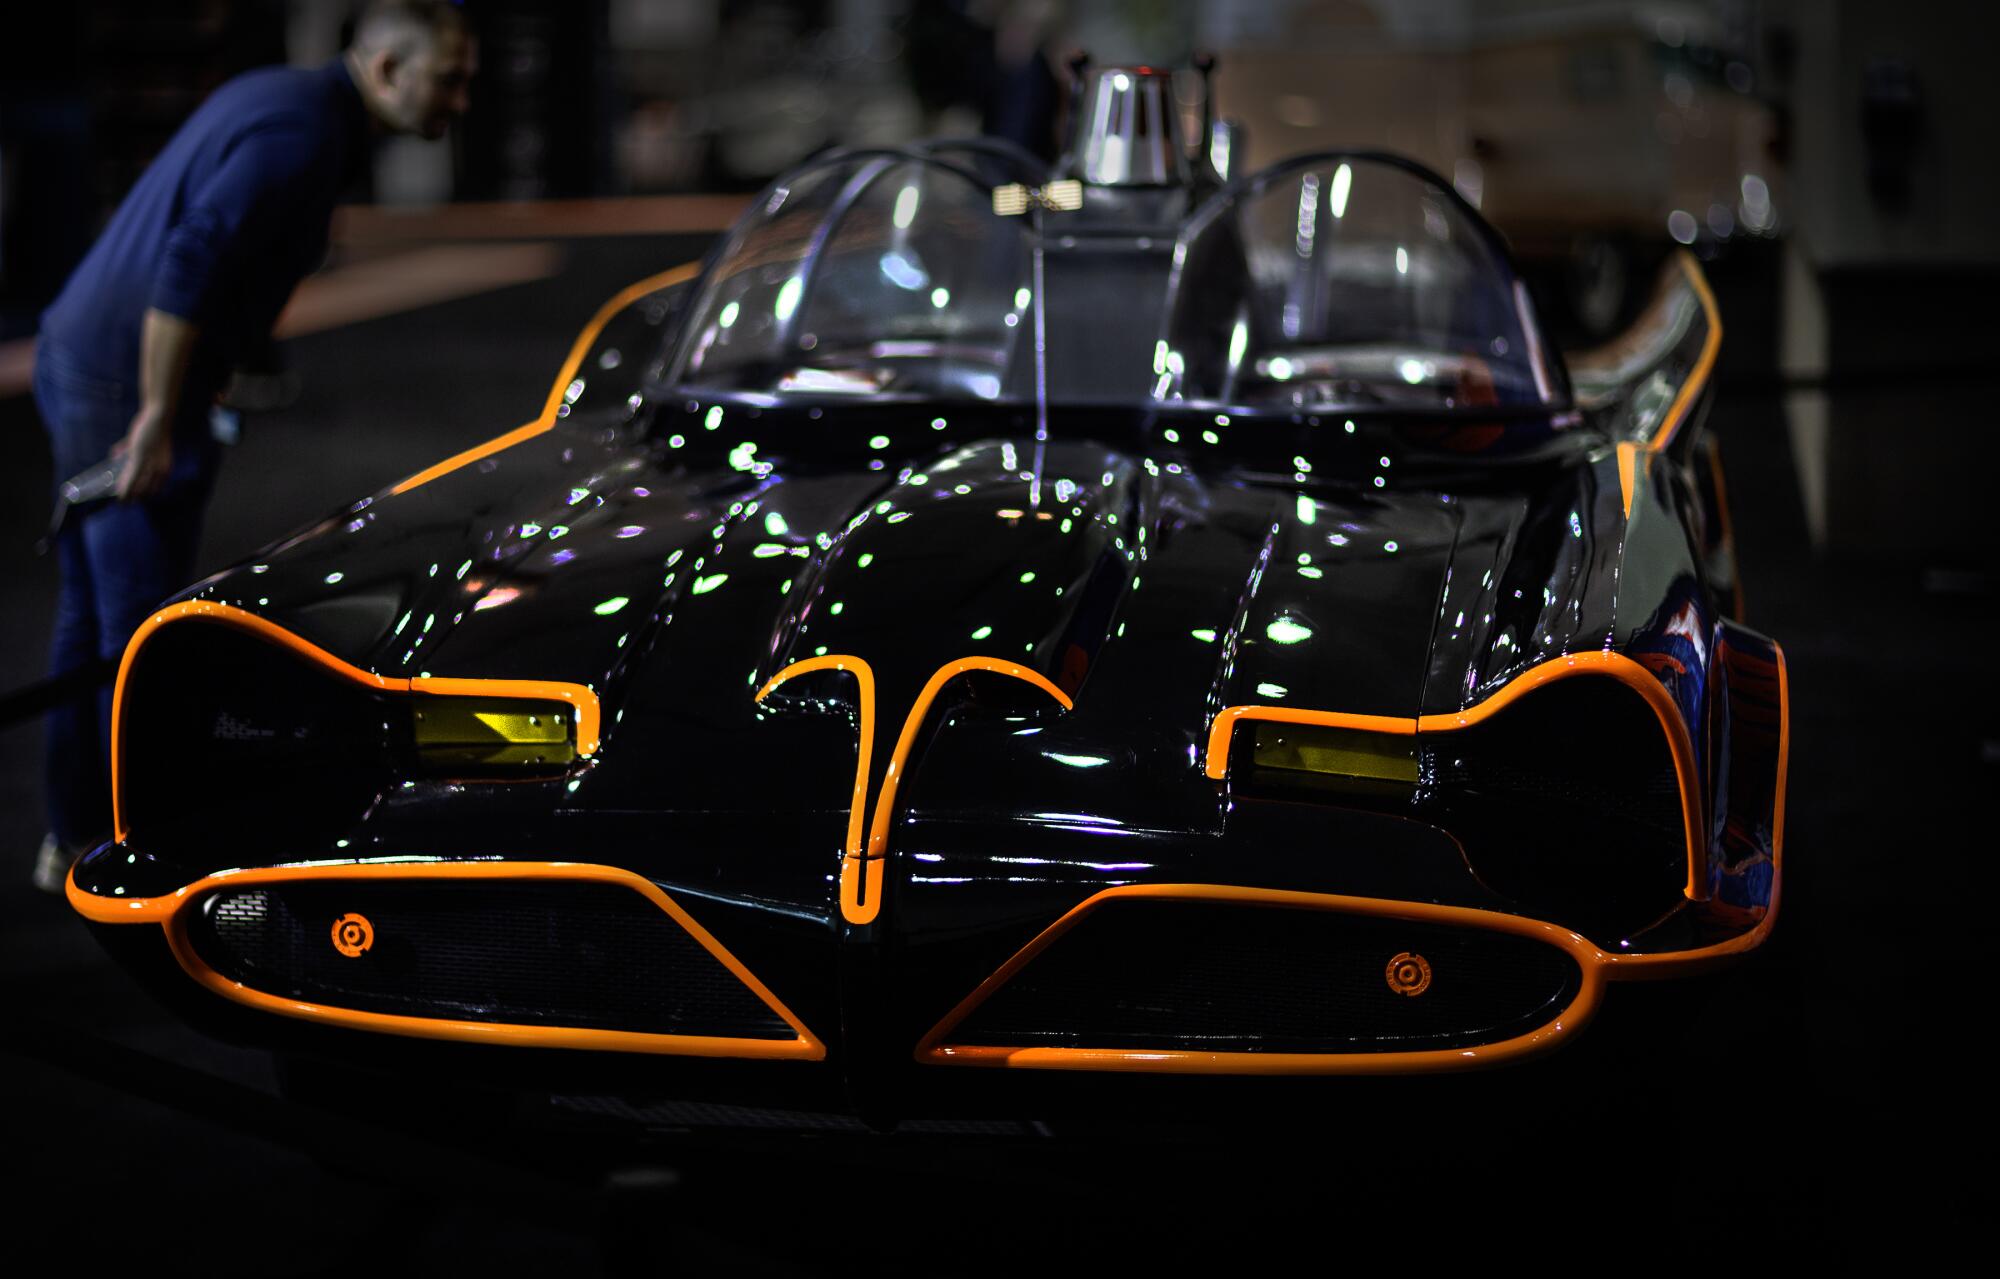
column 1108, row 619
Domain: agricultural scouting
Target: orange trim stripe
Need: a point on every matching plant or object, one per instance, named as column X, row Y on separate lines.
column 624, row 298
column 855, row 885
column 1615, row 665
column 862, row 868
column 861, row 893
column 1688, row 963
column 468, row 457
column 580, row 697
column 170, row 913
column 885, row 800
column 1704, row 364
column 619, row 301
column 861, row 888
column 933, row 1050
column 1628, row 466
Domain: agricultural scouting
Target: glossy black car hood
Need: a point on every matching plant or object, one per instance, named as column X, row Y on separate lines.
column 1154, row 584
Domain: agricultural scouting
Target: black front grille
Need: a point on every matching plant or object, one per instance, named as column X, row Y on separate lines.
column 536, row 953
column 1204, row 976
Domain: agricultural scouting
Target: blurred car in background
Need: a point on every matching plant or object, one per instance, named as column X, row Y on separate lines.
column 1596, row 141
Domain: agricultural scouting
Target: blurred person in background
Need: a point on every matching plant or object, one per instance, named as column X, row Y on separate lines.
column 192, row 270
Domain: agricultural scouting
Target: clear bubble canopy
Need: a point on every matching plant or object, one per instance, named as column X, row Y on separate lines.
column 1352, row 280
column 873, row 274
column 1349, row 281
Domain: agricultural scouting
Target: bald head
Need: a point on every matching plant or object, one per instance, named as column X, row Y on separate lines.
column 403, row 26
column 413, row 61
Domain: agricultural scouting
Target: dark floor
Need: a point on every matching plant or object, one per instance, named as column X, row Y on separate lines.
column 1818, row 1098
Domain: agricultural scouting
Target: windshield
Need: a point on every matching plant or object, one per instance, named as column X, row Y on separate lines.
column 873, row 274
column 1348, row 281
column 1329, row 282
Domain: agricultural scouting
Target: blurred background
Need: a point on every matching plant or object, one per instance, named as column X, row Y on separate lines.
column 1828, row 157
column 1831, row 161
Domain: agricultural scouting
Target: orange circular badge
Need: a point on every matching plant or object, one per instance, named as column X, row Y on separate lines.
column 353, row 934
column 1409, row 974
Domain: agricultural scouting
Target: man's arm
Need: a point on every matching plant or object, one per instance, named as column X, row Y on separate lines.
column 166, row 346
column 242, row 207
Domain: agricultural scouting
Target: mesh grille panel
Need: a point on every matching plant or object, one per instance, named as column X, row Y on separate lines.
column 580, row 955
column 1207, row 976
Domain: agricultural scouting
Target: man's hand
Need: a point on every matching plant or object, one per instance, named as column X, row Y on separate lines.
column 148, row 450
column 166, row 345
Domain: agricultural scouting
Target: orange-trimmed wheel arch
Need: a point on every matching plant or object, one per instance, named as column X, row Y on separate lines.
column 1688, row 963
column 581, row 698
column 1603, row 665
column 581, row 347
column 170, row 913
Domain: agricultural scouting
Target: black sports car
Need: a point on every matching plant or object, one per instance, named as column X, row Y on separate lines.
column 1116, row 621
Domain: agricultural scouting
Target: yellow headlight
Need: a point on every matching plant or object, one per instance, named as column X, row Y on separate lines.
column 458, row 732
column 1315, row 754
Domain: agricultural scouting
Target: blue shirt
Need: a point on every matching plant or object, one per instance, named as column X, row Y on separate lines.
column 221, row 227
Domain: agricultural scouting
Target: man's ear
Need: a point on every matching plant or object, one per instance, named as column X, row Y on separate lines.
column 385, row 67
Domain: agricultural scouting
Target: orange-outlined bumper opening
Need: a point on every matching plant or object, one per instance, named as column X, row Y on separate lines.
column 1408, row 975
column 1402, row 974
column 173, row 913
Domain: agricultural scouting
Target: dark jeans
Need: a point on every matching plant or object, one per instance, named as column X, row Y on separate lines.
column 118, row 562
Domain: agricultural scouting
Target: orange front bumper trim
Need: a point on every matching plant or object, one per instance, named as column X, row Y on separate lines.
column 1596, row 967
column 170, row 913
